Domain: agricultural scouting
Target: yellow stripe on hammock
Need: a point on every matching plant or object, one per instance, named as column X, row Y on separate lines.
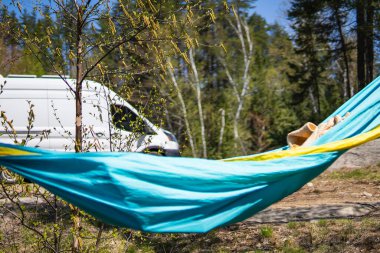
column 328, row 147
column 4, row 151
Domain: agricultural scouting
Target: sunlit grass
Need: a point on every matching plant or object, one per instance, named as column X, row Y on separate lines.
column 370, row 173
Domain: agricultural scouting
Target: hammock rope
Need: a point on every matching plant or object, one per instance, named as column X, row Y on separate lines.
column 179, row 194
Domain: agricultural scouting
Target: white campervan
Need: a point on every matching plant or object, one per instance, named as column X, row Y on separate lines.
column 109, row 122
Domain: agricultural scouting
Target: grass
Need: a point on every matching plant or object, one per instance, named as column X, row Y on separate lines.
column 292, row 225
column 288, row 249
column 322, row 223
column 266, row 232
column 340, row 235
column 370, row 173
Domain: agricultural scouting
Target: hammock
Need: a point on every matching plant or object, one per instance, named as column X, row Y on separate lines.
column 172, row 194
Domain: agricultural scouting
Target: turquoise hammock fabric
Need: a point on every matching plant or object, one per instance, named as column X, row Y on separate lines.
column 167, row 194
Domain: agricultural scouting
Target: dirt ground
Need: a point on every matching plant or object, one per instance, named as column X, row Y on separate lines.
column 351, row 234
column 306, row 221
column 346, row 185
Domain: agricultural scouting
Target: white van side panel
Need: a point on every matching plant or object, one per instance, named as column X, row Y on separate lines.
column 14, row 104
column 61, row 107
column 62, row 120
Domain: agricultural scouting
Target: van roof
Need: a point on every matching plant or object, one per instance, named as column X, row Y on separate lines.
column 21, row 76
column 45, row 83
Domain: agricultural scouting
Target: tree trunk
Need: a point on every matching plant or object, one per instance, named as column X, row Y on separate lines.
column 361, row 41
column 79, row 81
column 223, row 124
column 78, row 109
column 184, row 111
column 243, row 33
column 369, row 54
column 76, row 245
column 347, row 90
column 344, row 92
column 236, row 126
column 199, row 102
column 313, row 100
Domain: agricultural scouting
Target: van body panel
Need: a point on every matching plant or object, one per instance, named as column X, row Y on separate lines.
column 54, row 109
column 23, row 123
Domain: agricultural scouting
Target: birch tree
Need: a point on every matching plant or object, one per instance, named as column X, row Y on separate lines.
column 183, row 108
column 240, row 82
column 197, row 86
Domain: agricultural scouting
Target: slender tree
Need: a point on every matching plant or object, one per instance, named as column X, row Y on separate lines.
column 241, row 82
column 365, row 22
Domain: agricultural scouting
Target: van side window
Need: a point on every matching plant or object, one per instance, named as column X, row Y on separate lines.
column 122, row 117
column 125, row 119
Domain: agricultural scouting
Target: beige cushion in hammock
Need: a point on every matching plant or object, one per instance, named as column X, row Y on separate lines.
column 308, row 133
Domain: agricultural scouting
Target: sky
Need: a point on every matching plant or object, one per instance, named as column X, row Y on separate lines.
column 273, row 11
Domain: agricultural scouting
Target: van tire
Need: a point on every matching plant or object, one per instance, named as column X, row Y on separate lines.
column 7, row 177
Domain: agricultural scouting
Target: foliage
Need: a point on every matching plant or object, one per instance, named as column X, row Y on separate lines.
column 291, row 78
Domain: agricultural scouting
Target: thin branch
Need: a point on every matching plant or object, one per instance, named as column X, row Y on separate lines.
column 90, row 11
column 110, row 51
column 22, row 219
column 64, row 9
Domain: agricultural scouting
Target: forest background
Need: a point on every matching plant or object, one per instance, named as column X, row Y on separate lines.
column 231, row 84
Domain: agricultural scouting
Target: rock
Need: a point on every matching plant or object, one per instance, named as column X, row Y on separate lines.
column 367, row 194
column 310, row 184
column 362, row 156
column 347, row 211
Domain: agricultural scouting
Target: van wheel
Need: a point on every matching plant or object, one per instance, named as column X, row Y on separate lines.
column 7, row 177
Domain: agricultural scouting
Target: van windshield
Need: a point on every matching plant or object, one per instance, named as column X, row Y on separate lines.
column 125, row 119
